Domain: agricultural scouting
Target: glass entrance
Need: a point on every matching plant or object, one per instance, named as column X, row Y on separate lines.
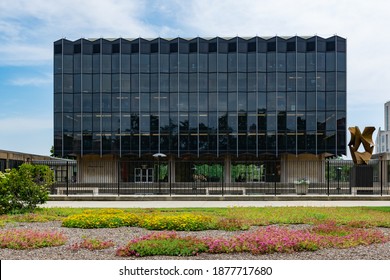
column 143, row 175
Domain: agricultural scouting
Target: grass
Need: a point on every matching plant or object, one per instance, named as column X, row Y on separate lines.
column 248, row 216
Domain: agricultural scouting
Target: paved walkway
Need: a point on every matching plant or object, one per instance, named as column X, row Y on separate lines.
column 216, row 204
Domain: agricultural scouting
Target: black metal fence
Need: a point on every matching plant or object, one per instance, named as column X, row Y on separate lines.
column 328, row 177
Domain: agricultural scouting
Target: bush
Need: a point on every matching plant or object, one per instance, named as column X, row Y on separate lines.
column 24, row 188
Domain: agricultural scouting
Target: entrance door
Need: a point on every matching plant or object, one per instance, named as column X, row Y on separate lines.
column 143, row 175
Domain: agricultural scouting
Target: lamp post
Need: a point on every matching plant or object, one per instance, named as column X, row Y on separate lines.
column 158, row 156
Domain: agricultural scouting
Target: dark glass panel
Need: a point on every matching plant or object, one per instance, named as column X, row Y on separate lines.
column 330, row 101
column 183, row 82
column 77, row 63
column 232, row 62
column 271, row 62
column 173, row 102
column 261, row 62
column 330, row 61
column 281, row 62
column 173, row 47
column 145, row 102
column 164, row 102
column 301, row 62
column 291, row 122
column 96, row 48
column 321, row 101
column 301, row 121
column 193, row 82
column 251, row 62
column 331, row 120
column 125, row 82
column 183, row 101
column 222, row 62
column 242, row 63
column 341, row 81
column 193, row 47
column 212, row 82
column 57, row 48
column 291, row 100
column 68, row 83
column 203, row 63
column 68, row 64
column 282, row 121
column 193, row 101
column 311, row 99
column 173, row 82
column 330, row 45
column 212, row 58
column 203, row 101
column 173, row 62
column 341, row 120
column 96, row 63
column 87, row 122
column 154, row 85
column 242, row 82
column 311, row 61
column 321, row 61
column 271, row 82
column 281, row 101
column 134, row 103
column 183, row 63
column 232, row 104
column 87, row 103
column 222, row 82
column 262, row 82
column 203, row 82
column 252, row 102
column 301, row 81
column 321, row 121
column 341, row 101
column 57, row 64
column 106, row 63
column 164, row 82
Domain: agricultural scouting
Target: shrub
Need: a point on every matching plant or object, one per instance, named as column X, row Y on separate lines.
column 22, row 189
column 30, row 239
column 163, row 243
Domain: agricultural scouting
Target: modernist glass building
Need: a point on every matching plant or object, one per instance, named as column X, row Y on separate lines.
column 197, row 98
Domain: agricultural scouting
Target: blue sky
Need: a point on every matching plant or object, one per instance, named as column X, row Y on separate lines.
column 28, row 29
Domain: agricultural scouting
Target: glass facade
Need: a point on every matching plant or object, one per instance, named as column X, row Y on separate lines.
column 213, row 96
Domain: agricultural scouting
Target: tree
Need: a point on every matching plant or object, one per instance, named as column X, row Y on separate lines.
column 24, row 188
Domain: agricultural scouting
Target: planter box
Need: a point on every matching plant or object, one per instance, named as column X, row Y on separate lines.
column 301, row 189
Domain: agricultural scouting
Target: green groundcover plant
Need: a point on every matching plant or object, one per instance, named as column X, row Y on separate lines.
column 266, row 240
column 92, row 244
column 21, row 239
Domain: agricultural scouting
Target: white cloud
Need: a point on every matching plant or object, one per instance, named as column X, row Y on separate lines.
column 32, row 81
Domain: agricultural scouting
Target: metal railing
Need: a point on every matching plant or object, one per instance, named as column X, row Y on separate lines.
column 272, row 177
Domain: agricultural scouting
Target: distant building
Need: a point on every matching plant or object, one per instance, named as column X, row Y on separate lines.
column 11, row 159
column 382, row 144
column 207, row 100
